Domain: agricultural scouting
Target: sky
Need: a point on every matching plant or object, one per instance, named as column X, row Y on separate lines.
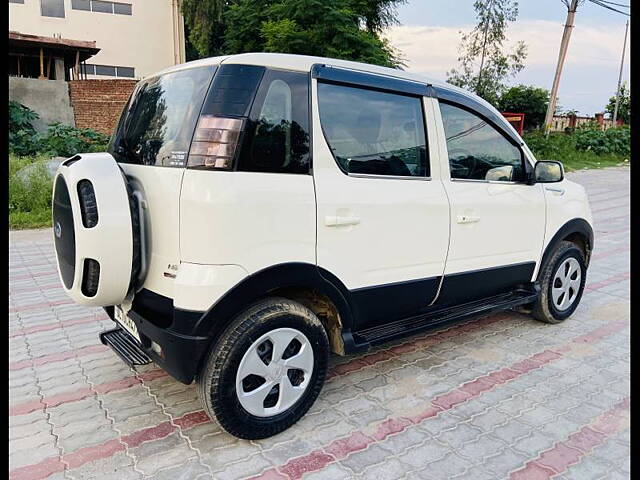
column 429, row 35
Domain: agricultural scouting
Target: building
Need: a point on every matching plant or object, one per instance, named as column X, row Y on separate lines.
column 77, row 61
column 94, row 39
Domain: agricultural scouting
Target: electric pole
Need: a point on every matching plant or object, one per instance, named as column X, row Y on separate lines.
column 571, row 13
column 624, row 46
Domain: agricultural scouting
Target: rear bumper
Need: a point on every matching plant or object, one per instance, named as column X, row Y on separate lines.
column 181, row 354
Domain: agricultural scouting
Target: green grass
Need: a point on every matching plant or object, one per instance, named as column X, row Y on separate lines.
column 29, row 194
column 562, row 147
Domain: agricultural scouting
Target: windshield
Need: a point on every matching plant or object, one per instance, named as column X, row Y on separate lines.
column 157, row 124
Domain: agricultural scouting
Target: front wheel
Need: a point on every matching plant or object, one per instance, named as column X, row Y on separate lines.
column 562, row 282
column 266, row 370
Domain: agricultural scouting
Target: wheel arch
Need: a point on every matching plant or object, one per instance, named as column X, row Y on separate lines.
column 314, row 287
column 577, row 231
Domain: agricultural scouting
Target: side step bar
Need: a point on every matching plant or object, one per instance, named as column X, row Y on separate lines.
column 125, row 347
column 439, row 317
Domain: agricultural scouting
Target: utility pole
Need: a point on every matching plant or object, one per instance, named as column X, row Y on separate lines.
column 624, row 47
column 571, row 13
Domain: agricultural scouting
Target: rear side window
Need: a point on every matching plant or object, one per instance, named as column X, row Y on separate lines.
column 158, row 123
column 477, row 150
column 277, row 136
column 373, row 132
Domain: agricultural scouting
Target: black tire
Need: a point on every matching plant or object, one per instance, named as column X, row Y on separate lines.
column 217, row 378
column 544, row 308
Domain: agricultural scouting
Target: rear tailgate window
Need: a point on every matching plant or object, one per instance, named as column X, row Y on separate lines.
column 156, row 126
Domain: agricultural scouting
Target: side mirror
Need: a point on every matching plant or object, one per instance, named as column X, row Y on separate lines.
column 501, row 174
column 548, row 171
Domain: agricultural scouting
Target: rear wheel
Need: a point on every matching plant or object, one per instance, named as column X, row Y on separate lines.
column 562, row 282
column 266, row 370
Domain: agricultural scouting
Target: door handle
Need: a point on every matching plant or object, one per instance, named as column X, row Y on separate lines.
column 338, row 221
column 468, row 219
column 556, row 190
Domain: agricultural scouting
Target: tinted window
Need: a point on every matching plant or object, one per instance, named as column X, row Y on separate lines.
column 374, row 132
column 128, row 72
column 102, row 7
column 279, row 126
column 158, row 123
column 475, row 148
column 81, row 5
column 122, row 8
column 233, row 90
column 105, row 70
column 52, row 8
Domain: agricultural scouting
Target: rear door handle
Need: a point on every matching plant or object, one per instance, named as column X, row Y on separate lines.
column 337, row 221
column 468, row 219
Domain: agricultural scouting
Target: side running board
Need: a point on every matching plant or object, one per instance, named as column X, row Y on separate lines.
column 438, row 317
column 125, row 347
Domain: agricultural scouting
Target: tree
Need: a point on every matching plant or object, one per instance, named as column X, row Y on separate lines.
column 624, row 107
column 532, row 101
column 348, row 29
column 484, row 66
column 203, row 25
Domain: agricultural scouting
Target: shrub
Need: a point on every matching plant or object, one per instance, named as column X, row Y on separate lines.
column 58, row 140
column 564, row 147
column 21, row 132
column 30, row 193
column 612, row 141
column 65, row 141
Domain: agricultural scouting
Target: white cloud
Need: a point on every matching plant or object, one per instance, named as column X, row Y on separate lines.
column 591, row 68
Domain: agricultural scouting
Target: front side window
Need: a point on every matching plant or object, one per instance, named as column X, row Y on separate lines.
column 279, row 125
column 52, row 8
column 373, row 132
column 477, row 150
column 158, row 123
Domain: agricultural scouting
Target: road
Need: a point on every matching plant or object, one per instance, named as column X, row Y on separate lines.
column 501, row 396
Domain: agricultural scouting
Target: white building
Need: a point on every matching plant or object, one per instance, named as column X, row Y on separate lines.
column 133, row 38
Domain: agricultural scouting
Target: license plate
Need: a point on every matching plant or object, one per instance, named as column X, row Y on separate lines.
column 126, row 323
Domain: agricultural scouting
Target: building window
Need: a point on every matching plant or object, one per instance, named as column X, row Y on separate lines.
column 101, row 6
column 108, row 70
column 52, row 8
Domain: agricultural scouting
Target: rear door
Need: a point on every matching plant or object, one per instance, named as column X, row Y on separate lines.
column 151, row 144
column 383, row 215
column 497, row 218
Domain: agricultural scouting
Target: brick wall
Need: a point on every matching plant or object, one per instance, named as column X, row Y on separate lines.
column 97, row 104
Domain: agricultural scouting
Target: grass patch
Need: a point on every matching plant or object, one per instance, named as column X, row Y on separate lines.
column 564, row 148
column 29, row 193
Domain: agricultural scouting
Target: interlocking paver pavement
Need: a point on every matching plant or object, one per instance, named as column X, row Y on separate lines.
column 501, row 396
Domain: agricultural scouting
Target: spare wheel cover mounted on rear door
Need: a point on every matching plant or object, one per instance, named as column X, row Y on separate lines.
column 96, row 229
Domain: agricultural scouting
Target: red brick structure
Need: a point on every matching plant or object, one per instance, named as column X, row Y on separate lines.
column 97, row 103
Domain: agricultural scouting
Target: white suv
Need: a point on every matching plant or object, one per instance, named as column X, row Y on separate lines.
column 257, row 212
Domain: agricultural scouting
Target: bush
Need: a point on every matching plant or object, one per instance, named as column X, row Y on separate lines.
column 21, row 131
column 65, row 141
column 30, row 193
column 615, row 141
column 564, row 148
column 59, row 140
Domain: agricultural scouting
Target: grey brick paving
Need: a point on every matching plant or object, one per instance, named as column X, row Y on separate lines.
column 109, row 422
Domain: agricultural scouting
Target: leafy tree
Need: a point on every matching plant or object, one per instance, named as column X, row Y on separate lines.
column 532, row 101
column 484, row 66
column 348, row 29
column 203, row 25
column 624, row 106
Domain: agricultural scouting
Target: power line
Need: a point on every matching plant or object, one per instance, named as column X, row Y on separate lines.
column 617, row 4
column 598, row 2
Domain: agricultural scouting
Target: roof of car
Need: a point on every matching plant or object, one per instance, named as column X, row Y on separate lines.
column 304, row 63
